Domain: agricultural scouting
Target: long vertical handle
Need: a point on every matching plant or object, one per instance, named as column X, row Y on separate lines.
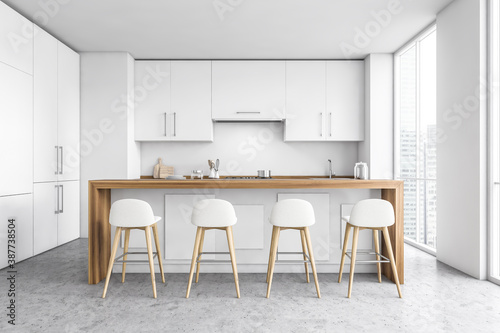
column 61, row 160
column 165, row 123
column 331, row 120
column 61, row 210
column 175, row 123
column 321, row 122
column 57, row 199
column 57, row 160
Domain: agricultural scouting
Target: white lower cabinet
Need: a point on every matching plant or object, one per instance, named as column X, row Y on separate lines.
column 290, row 241
column 19, row 208
column 56, row 214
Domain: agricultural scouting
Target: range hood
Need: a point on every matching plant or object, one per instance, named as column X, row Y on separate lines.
column 247, row 120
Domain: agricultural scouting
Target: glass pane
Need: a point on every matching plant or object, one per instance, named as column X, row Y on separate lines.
column 410, row 210
column 408, row 109
column 429, row 217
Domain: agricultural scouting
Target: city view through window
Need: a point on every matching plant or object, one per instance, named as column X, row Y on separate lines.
column 416, row 136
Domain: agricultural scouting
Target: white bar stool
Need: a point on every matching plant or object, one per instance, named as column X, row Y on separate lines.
column 293, row 214
column 374, row 214
column 212, row 214
column 130, row 214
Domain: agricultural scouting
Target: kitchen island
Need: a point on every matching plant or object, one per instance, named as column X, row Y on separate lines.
column 100, row 204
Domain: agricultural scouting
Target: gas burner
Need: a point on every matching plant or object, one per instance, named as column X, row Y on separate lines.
column 245, row 177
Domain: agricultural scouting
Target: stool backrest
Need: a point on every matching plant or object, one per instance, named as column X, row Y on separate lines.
column 213, row 213
column 372, row 213
column 131, row 213
column 292, row 213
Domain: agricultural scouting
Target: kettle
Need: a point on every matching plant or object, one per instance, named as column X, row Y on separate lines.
column 361, row 171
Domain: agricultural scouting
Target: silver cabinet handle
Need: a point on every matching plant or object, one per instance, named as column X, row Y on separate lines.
column 57, row 160
column 242, row 112
column 321, row 122
column 62, row 163
column 175, row 123
column 57, row 199
column 331, row 120
column 165, row 122
column 61, row 209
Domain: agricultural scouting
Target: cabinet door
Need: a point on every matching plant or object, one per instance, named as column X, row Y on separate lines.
column 16, row 131
column 19, row 208
column 45, row 206
column 45, row 108
column 191, row 93
column 179, row 232
column 153, row 118
column 305, row 101
column 68, row 112
column 16, row 39
column 320, row 232
column 345, row 100
column 247, row 90
column 68, row 219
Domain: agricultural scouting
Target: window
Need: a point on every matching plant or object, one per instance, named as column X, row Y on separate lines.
column 415, row 137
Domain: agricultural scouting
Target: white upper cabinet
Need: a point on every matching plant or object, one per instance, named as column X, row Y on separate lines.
column 345, row 100
column 16, row 39
column 153, row 118
column 191, row 101
column 68, row 112
column 56, row 110
column 305, row 101
column 248, row 90
column 16, row 131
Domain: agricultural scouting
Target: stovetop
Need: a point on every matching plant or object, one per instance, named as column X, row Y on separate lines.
column 245, row 177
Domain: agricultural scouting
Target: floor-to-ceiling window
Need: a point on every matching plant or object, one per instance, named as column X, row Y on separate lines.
column 415, row 137
column 494, row 143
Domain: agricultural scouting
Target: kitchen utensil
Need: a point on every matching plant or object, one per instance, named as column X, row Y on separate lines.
column 161, row 171
column 264, row 173
column 197, row 174
column 361, row 171
column 217, row 165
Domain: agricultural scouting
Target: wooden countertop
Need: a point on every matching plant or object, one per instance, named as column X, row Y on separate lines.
column 279, row 182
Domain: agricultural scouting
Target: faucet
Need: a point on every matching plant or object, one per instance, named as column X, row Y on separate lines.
column 330, row 168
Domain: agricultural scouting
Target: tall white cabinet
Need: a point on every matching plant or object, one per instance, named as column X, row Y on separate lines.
column 56, row 192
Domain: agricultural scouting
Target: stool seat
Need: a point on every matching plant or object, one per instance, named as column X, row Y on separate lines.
column 132, row 213
column 292, row 213
column 213, row 213
column 371, row 213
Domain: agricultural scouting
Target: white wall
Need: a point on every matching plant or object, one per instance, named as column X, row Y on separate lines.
column 461, row 123
column 244, row 148
column 107, row 147
column 378, row 148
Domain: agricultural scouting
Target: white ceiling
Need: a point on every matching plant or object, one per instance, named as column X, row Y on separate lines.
column 239, row 29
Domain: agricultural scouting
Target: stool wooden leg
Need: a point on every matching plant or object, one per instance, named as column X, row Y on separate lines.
column 147, row 230
column 230, row 243
column 274, row 249
column 193, row 260
column 125, row 250
column 158, row 251
column 344, row 249
column 387, row 240
column 270, row 254
column 311, row 257
column 112, row 259
column 304, row 250
column 377, row 249
column 200, row 250
column 353, row 259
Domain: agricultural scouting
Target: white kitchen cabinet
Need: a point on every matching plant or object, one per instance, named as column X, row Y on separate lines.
column 19, row 208
column 248, row 90
column 68, row 219
column 16, row 131
column 154, row 120
column 16, row 39
column 345, row 107
column 305, row 101
column 56, row 207
column 179, row 232
column 45, row 210
column 320, row 232
column 191, row 105
column 46, row 148
column 68, row 112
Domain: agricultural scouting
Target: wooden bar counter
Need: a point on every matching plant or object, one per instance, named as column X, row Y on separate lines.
column 100, row 204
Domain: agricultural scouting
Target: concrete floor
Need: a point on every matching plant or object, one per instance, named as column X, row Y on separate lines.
column 53, row 296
